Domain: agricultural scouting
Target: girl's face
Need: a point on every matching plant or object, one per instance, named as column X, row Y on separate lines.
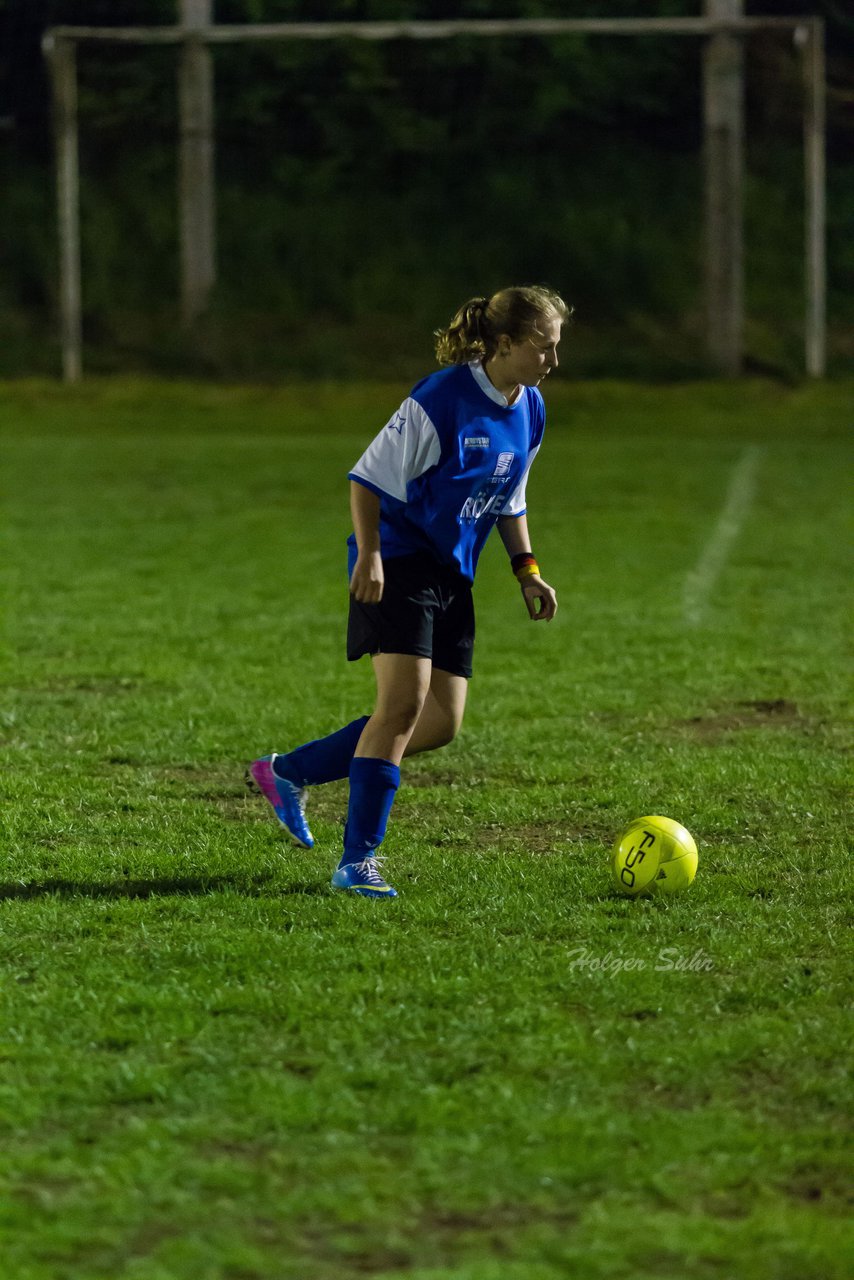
column 530, row 361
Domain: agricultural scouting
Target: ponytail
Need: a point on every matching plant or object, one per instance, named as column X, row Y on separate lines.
column 465, row 338
column 475, row 329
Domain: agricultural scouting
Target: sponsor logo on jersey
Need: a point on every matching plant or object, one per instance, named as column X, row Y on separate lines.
column 504, row 463
column 476, row 442
column 487, row 502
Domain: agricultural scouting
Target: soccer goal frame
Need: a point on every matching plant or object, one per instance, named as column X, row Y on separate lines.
column 723, row 220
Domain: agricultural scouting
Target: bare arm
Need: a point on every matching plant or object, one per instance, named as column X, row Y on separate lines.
column 367, row 581
column 514, row 534
column 540, row 599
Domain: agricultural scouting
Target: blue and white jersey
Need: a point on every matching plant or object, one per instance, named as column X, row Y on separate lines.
column 454, row 458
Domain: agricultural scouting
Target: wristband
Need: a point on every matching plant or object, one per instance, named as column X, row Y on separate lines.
column 524, row 565
column 521, row 560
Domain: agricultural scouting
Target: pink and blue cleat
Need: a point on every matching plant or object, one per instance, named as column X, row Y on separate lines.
column 287, row 799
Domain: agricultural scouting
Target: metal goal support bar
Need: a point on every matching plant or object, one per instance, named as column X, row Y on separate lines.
column 428, row 30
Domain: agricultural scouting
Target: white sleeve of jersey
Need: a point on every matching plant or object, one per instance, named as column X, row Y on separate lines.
column 405, row 448
column 515, row 505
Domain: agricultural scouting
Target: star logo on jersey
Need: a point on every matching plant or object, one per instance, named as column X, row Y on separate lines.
column 397, row 423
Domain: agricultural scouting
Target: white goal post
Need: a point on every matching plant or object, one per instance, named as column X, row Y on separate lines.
column 723, row 195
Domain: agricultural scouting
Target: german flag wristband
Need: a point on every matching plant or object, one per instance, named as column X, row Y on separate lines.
column 524, row 565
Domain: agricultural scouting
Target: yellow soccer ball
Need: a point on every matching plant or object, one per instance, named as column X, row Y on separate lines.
column 653, row 855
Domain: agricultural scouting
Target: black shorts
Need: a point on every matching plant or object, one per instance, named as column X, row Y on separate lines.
column 426, row 610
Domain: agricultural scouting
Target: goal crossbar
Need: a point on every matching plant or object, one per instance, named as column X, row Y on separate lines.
column 59, row 46
column 426, row 29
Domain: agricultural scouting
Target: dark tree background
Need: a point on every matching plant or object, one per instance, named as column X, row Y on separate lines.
column 364, row 189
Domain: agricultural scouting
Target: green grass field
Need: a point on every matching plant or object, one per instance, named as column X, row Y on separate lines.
column 212, row 1067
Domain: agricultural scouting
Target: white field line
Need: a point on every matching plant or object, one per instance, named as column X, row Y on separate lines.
column 701, row 579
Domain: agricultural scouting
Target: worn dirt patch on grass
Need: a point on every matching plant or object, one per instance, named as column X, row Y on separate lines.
column 761, row 713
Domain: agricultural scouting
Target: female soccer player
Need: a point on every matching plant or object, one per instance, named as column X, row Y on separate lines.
column 451, row 463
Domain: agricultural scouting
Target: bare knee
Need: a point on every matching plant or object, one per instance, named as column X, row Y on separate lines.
column 433, row 732
column 400, row 719
column 444, row 733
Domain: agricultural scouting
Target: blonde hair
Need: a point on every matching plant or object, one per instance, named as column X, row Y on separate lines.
column 518, row 311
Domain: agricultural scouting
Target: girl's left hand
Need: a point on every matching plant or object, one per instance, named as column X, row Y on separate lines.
column 540, row 598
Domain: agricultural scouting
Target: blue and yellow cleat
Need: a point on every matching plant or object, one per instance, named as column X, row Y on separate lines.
column 287, row 799
column 363, row 878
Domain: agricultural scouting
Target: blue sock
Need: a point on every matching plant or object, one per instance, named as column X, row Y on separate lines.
column 373, row 784
column 323, row 760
